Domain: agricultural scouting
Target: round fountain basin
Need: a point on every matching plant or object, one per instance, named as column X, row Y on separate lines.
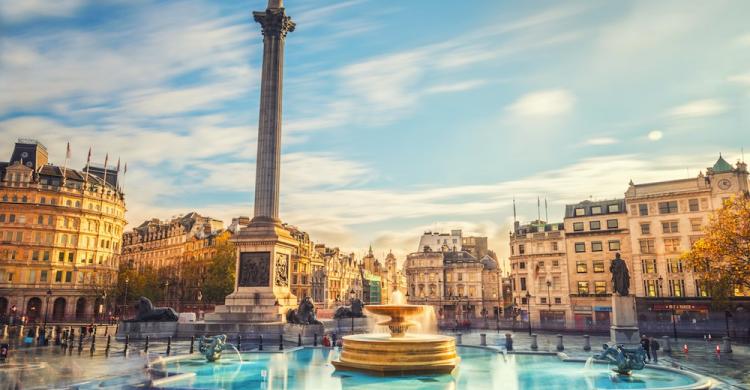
column 400, row 311
column 382, row 354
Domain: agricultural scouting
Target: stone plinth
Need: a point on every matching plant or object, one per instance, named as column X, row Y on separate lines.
column 261, row 293
column 308, row 332
column 624, row 329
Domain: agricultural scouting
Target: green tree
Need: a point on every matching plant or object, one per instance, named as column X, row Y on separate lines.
column 219, row 276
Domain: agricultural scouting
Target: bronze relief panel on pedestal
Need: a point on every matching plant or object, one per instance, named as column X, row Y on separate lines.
column 282, row 270
column 254, row 269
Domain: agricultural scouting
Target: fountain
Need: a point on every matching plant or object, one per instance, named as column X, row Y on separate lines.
column 398, row 352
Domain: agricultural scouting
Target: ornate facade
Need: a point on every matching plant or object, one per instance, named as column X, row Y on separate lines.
column 458, row 285
column 61, row 234
column 539, row 273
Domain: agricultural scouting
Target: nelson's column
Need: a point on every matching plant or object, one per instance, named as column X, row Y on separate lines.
column 261, row 288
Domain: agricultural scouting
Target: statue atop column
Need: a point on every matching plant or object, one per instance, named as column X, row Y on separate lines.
column 620, row 276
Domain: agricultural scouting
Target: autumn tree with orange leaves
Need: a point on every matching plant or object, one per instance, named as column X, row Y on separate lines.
column 721, row 258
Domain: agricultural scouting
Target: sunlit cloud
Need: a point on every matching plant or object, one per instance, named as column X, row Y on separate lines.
column 548, row 103
column 655, row 135
column 698, row 108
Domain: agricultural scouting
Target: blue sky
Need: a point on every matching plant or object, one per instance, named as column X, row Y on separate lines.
column 399, row 116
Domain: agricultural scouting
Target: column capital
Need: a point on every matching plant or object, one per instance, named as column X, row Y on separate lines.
column 274, row 22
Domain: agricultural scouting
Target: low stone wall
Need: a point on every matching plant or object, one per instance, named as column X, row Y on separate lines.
column 139, row 330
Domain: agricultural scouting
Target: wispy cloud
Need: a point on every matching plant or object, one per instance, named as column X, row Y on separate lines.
column 541, row 104
column 24, row 10
column 698, row 108
column 599, row 141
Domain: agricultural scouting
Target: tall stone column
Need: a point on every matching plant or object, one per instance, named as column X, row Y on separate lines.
column 264, row 248
column 275, row 24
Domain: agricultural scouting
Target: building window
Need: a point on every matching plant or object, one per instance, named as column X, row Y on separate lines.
column 596, row 210
column 670, row 226
column 58, row 277
column 579, row 212
column 583, row 288
column 543, row 300
column 677, row 288
column 668, row 207
column 523, row 300
column 558, row 300
column 649, row 266
column 674, row 265
column 522, row 265
column 600, row 287
column 693, row 205
column 61, row 256
column 645, row 228
column 43, row 276
column 649, row 286
column 672, row 245
column 521, row 249
column 643, row 209
column 695, row 224
column 578, row 226
column 596, row 246
column 612, row 224
column 523, row 284
column 598, row 266
column 647, row 246
column 555, row 263
column 554, row 246
column 581, row 267
column 613, row 208
column 595, row 225
column 614, row 245
column 701, row 289
column 580, row 247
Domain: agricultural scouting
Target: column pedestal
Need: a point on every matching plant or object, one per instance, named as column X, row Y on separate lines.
column 624, row 329
column 261, row 293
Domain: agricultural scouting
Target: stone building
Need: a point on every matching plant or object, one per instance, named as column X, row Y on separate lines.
column 305, row 262
column 438, row 242
column 340, row 277
column 665, row 219
column 458, row 285
column 60, row 234
column 539, row 274
column 170, row 248
column 594, row 233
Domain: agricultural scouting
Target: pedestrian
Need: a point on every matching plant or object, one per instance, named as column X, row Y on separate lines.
column 646, row 345
column 654, row 347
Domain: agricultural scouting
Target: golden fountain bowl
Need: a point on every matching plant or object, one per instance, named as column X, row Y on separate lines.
column 398, row 353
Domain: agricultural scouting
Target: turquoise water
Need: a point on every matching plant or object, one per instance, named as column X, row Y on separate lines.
column 310, row 368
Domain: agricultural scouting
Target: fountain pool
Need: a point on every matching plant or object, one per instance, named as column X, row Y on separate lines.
column 311, row 368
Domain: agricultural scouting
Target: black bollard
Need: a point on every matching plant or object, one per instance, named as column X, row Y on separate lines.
column 169, row 345
column 260, row 343
column 281, row 342
column 127, row 341
column 145, row 348
column 106, row 330
column 299, row 340
column 80, row 342
column 239, row 342
column 93, row 343
column 315, row 339
column 192, row 343
column 109, row 341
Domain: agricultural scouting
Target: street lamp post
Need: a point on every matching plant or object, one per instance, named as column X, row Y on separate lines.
column 125, row 299
column 166, row 293
column 672, row 306
column 46, row 311
column 549, row 301
column 528, row 303
column 351, row 303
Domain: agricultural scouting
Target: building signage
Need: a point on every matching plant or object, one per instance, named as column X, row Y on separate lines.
column 602, row 308
column 582, row 308
column 678, row 306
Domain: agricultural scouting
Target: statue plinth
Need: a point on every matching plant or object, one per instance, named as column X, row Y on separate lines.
column 624, row 329
column 261, row 289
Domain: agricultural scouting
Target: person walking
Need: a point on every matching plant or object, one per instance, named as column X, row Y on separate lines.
column 646, row 345
column 654, row 347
